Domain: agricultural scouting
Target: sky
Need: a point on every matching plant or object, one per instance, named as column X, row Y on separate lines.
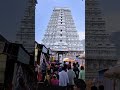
column 44, row 10
column 11, row 12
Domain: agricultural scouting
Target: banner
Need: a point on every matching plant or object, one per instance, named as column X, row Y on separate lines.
column 18, row 73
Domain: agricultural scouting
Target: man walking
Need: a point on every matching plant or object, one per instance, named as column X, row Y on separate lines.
column 63, row 79
column 71, row 76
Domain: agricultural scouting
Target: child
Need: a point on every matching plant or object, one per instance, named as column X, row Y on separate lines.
column 54, row 81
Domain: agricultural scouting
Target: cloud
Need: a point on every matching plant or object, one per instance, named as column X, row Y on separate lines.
column 81, row 35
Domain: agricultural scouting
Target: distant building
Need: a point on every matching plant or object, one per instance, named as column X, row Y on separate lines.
column 100, row 53
column 61, row 35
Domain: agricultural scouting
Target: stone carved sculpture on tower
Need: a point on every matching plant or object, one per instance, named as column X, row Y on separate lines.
column 26, row 34
column 100, row 52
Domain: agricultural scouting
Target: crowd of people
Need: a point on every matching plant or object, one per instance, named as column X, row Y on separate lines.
column 66, row 76
column 63, row 76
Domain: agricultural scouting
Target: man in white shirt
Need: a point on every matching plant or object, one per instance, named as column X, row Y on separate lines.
column 71, row 76
column 63, row 79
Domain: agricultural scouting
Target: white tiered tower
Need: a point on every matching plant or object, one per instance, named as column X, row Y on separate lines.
column 61, row 34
